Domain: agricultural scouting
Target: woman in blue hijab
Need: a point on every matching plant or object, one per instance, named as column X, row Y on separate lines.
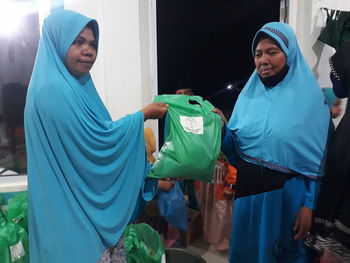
column 86, row 172
column 276, row 138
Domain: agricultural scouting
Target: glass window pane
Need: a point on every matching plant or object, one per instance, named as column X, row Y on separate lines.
column 19, row 37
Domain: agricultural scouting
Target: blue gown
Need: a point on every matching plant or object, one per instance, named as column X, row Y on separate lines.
column 86, row 172
column 262, row 229
column 281, row 130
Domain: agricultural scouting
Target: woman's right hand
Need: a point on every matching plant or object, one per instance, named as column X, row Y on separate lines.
column 155, row 110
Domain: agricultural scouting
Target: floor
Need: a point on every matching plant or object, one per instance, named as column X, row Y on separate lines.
column 208, row 252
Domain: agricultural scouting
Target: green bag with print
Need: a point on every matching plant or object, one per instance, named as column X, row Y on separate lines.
column 14, row 247
column 192, row 139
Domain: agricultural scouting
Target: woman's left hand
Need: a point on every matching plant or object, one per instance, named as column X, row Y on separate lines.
column 222, row 116
column 302, row 223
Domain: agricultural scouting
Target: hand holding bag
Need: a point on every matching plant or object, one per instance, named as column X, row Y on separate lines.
column 193, row 140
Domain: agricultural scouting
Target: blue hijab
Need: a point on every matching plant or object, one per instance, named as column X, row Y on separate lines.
column 85, row 171
column 284, row 127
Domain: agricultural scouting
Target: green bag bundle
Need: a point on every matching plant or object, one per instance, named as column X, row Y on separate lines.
column 143, row 244
column 337, row 29
column 193, row 139
column 3, row 221
column 17, row 210
column 13, row 244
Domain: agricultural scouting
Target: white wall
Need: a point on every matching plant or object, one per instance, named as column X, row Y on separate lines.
column 125, row 71
column 307, row 19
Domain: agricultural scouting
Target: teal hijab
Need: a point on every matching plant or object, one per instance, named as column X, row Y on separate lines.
column 284, row 127
column 85, row 171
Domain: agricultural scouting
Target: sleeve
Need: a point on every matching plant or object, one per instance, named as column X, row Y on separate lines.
column 148, row 191
column 313, row 189
column 228, row 146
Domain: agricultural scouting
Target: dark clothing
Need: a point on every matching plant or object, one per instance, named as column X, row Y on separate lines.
column 331, row 225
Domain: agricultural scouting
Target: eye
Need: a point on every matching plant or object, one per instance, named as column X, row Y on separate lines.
column 78, row 42
column 274, row 52
column 94, row 45
column 257, row 55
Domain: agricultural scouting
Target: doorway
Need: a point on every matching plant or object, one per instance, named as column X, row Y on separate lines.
column 206, row 45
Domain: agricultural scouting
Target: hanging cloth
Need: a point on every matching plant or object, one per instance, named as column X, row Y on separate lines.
column 337, row 29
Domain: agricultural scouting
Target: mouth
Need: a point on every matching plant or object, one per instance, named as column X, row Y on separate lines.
column 266, row 71
column 85, row 62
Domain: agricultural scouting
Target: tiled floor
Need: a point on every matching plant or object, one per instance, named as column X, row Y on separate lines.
column 208, row 252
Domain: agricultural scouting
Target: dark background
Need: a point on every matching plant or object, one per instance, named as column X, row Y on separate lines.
column 206, row 45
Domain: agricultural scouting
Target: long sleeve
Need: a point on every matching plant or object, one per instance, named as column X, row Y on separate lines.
column 313, row 189
column 228, row 147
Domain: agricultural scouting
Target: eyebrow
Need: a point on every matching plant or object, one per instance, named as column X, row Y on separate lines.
column 80, row 37
column 83, row 38
column 269, row 49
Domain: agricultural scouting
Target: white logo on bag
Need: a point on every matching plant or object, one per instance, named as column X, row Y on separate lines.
column 17, row 251
column 192, row 124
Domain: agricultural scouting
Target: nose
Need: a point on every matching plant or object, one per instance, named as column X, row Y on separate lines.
column 264, row 59
column 88, row 51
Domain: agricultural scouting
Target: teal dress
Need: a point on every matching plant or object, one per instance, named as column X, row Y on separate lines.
column 276, row 137
column 86, row 172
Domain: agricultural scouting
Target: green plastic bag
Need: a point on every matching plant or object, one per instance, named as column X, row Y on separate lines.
column 143, row 244
column 17, row 210
column 192, row 142
column 13, row 244
column 3, row 221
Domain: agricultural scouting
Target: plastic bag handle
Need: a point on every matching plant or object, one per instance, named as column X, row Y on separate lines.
column 194, row 102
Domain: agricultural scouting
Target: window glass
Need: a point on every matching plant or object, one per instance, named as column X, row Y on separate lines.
column 19, row 37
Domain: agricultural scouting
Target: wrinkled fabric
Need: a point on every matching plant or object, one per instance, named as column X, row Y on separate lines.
column 286, row 125
column 85, row 171
column 277, row 138
column 262, row 230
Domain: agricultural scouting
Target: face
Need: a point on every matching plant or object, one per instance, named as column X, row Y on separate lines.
column 184, row 92
column 269, row 59
column 82, row 53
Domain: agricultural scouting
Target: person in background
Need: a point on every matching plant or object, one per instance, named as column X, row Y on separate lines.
column 184, row 91
column 333, row 102
column 151, row 214
column 330, row 232
column 277, row 143
column 215, row 201
column 86, row 172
